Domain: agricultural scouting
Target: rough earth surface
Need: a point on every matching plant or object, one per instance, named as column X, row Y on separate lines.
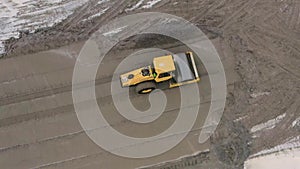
column 258, row 39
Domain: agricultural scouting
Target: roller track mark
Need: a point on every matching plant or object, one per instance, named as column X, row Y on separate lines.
column 293, row 18
column 275, row 22
column 273, row 49
column 279, row 20
column 58, row 110
column 110, row 14
column 61, row 110
column 254, row 39
column 298, row 21
column 183, row 11
column 209, row 10
column 55, row 138
column 46, row 92
column 203, row 9
column 237, row 13
column 60, row 88
column 76, row 133
column 267, row 31
column 268, row 15
column 78, row 16
column 35, row 115
column 31, row 75
column 72, row 135
column 288, row 71
column 56, row 163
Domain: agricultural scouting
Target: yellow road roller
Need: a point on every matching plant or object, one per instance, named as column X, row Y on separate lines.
column 176, row 69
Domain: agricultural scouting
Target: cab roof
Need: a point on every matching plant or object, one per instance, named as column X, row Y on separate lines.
column 164, row 64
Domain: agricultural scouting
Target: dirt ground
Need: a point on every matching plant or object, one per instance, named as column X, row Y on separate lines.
column 259, row 45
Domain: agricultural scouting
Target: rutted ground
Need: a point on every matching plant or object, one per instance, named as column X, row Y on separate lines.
column 257, row 40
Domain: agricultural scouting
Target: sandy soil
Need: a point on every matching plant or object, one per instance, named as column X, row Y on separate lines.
column 258, row 42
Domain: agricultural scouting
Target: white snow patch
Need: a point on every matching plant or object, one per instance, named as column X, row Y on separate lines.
column 267, row 125
column 150, row 4
column 135, row 6
column 292, row 143
column 102, row 1
column 169, row 20
column 2, row 51
column 255, row 95
column 54, row 1
column 8, row 82
column 30, row 15
column 114, row 31
column 240, row 118
column 296, row 122
column 97, row 14
column 288, row 159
